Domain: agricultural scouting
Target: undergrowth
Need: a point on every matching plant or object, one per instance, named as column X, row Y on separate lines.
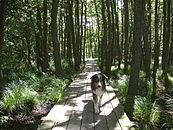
column 147, row 115
column 22, row 95
column 19, row 97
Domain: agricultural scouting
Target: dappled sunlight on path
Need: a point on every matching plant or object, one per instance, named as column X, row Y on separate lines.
column 75, row 111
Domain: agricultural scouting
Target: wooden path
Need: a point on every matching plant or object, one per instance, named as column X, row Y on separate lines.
column 75, row 111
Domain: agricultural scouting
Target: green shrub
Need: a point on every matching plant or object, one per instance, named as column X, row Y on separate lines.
column 56, row 88
column 145, row 113
column 18, row 97
column 166, row 117
column 1, row 120
column 55, row 95
column 122, row 85
column 145, row 88
column 170, row 70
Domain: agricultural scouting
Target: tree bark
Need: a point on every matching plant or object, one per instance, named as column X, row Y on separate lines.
column 38, row 38
column 104, row 38
column 118, row 53
column 81, row 32
column 77, row 42
column 147, row 44
column 2, row 21
column 171, row 46
column 98, row 30
column 44, row 50
column 85, row 30
column 56, row 44
column 109, row 41
column 166, row 39
column 69, row 33
column 136, row 59
column 126, row 43
column 156, row 51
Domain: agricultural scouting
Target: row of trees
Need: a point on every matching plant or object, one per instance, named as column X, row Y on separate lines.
column 115, row 31
column 43, row 30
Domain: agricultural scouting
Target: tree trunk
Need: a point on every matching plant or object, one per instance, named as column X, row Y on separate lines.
column 44, row 50
column 118, row 53
column 77, row 42
column 126, row 43
column 109, row 44
column 56, row 44
column 104, row 38
column 2, row 21
column 156, row 51
column 171, row 46
column 122, row 34
column 136, row 59
column 166, row 39
column 38, row 38
column 81, row 34
column 147, row 49
column 114, row 32
column 68, row 33
column 98, row 30
column 85, row 29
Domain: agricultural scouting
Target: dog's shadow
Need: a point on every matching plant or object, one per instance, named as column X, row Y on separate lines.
column 99, row 121
column 90, row 118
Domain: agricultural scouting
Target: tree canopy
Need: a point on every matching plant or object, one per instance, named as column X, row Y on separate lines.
column 56, row 37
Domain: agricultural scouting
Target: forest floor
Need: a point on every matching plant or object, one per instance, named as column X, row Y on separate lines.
column 28, row 121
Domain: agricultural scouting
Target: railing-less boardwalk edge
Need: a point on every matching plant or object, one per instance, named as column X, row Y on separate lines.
column 76, row 111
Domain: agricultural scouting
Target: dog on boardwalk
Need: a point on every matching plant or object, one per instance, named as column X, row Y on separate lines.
column 98, row 87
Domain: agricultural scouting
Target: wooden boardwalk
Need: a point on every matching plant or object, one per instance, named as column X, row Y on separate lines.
column 76, row 110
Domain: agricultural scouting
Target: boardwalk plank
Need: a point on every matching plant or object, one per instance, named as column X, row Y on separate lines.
column 87, row 115
column 118, row 110
column 76, row 110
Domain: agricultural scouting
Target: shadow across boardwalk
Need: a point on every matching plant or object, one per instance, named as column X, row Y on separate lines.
column 76, row 111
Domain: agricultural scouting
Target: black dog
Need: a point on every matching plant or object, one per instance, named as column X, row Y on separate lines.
column 98, row 87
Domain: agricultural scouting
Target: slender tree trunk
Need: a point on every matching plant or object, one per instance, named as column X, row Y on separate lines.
column 38, row 38
column 85, row 29
column 118, row 53
column 147, row 55
column 126, row 43
column 114, row 31
column 98, row 30
column 68, row 33
column 61, row 30
column 77, row 32
column 104, row 38
column 56, row 44
column 166, row 39
column 2, row 21
column 109, row 53
column 156, row 51
column 136, row 59
column 171, row 46
column 122, row 30
column 44, row 50
column 81, row 34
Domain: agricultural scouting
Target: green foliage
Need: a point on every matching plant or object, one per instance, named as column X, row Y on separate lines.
column 169, row 84
column 171, row 70
column 1, row 120
column 68, row 70
column 145, row 88
column 146, row 113
column 122, row 85
column 55, row 95
column 23, row 95
column 18, row 97
column 51, row 87
column 166, row 116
